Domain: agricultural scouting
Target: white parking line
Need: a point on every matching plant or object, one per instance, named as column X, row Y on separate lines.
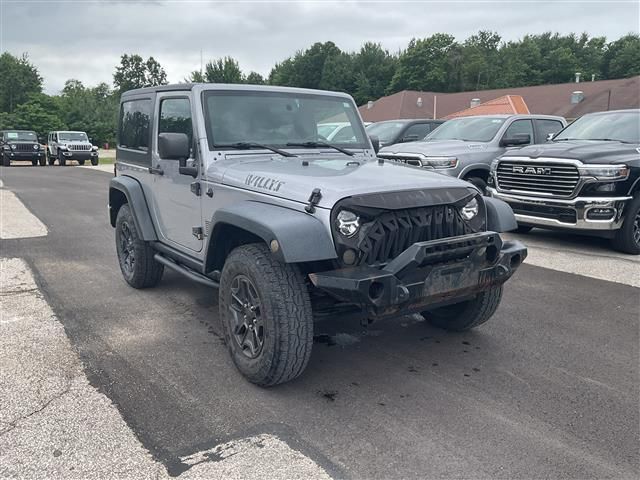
column 54, row 424
column 16, row 221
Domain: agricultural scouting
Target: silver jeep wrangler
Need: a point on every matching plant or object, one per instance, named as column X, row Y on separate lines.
column 65, row 146
column 233, row 187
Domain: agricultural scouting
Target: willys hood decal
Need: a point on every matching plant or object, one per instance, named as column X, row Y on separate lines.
column 336, row 177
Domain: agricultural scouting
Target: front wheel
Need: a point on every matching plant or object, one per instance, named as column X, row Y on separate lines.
column 627, row 239
column 6, row 161
column 135, row 256
column 51, row 159
column 61, row 160
column 81, row 162
column 466, row 315
column 523, row 229
column 479, row 183
column 95, row 161
column 42, row 161
column 34, row 162
column 266, row 313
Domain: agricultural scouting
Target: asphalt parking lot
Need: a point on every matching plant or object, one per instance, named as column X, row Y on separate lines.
column 548, row 388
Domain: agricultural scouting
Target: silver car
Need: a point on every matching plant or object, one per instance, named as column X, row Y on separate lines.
column 465, row 147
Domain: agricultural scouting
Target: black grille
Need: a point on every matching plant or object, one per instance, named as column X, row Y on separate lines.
column 24, row 147
column 544, row 178
column 562, row 214
column 393, row 232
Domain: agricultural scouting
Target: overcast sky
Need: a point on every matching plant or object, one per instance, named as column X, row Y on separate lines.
column 84, row 39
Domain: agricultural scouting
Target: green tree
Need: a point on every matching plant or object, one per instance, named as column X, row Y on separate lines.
column 479, row 55
column 254, row 78
column 373, row 70
column 223, row 70
column 424, row 65
column 33, row 115
column 338, row 73
column 621, row 58
column 18, row 80
column 135, row 72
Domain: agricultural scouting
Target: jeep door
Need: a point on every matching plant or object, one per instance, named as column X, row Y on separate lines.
column 176, row 205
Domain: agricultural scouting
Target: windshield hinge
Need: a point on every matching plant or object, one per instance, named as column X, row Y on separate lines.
column 197, row 232
column 314, row 199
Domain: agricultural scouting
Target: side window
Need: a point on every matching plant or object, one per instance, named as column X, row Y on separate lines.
column 544, row 127
column 520, row 127
column 416, row 132
column 175, row 117
column 133, row 132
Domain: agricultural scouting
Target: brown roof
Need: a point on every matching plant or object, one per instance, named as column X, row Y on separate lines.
column 542, row 99
column 509, row 105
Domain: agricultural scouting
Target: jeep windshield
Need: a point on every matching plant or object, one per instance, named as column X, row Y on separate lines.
column 615, row 127
column 468, row 129
column 72, row 137
column 279, row 119
column 20, row 135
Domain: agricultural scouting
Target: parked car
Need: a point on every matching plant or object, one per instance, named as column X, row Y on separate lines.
column 20, row 145
column 465, row 147
column 336, row 132
column 391, row 132
column 586, row 180
column 66, row 146
column 232, row 186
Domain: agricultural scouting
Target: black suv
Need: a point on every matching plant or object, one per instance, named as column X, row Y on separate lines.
column 21, row 145
column 390, row 132
column 586, row 179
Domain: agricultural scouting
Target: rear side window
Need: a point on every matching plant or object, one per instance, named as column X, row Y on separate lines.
column 133, row 133
column 544, row 127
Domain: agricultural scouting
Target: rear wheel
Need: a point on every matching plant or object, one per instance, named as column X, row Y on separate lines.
column 266, row 312
column 627, row 239
column 135, row 256
column 466, row 315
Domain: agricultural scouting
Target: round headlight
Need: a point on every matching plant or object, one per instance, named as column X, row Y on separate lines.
column 347, row 223
column 36, row 147
column 13, row 147
column 470, row 210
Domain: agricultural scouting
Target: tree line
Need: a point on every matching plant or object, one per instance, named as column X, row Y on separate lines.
column 436, row 63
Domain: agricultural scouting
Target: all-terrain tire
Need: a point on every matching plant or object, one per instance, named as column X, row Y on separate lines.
column 135, row 256
column 95, row 161
column 523, row 229
column 285, row 313
column 34, row 163
column 478, row 182
column 6, row 161
column 43, row 161
column 466, row 315
column 81, row 162
column 627, row 239
column 61, row 160
column 50, row 159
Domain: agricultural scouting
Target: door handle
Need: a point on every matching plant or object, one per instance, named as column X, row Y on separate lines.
column 156, row 171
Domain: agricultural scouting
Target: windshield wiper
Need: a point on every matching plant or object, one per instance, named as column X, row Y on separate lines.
column 319, row 144
column 250, row 145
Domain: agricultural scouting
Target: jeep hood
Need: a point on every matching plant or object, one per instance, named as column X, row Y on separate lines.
column 436, row 148
column 587, row 151
column 337, row 177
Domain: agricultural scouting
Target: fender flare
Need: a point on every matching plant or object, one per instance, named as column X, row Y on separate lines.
column 134, row 194
column 474, row 166
column 500, row 217
column 301, row 236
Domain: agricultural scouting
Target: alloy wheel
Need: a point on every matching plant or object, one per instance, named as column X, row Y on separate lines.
column 246, row 314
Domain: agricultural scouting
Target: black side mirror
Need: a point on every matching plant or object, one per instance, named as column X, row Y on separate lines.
column 516, row 140
column 375, row 143
column 175, row 146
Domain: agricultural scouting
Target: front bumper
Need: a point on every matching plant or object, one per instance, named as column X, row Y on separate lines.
column 79, row 154
column 578, row 213
column 22, row 156
column 426, row 274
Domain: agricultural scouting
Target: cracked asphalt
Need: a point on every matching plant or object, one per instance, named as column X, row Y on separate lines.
column 548, row 388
